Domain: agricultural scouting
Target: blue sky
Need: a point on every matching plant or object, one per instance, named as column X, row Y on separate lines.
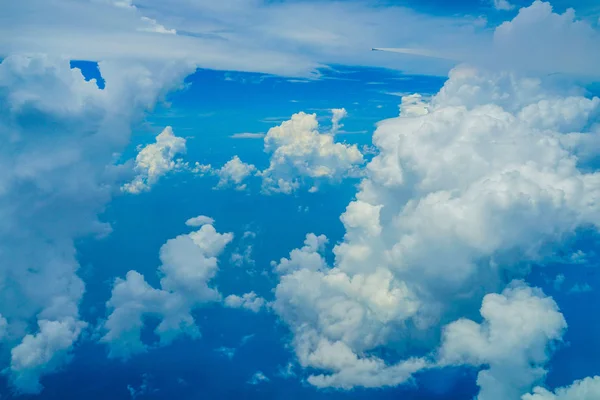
column 239, row 200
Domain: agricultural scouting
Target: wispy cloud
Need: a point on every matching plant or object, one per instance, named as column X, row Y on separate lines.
column 247, row 135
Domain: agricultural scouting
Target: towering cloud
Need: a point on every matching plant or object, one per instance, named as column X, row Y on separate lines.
column 59, row 136
column 467, row 190
column 189, row 262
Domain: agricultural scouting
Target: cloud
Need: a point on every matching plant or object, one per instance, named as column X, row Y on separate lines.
column 584, row 389
column 257, row 378
column 247, row 135
column 199, row 221
column 503, row 5
column 249, row 301
column 189, row 262
column 43, row 352
column 234, row 172
column 541, row 41
column 299, row 152
column 156, row 160
column 296, row 38
column 513, row 341
column 228, row 352
column 338, row 115
column 58, row 163
column 468, row 189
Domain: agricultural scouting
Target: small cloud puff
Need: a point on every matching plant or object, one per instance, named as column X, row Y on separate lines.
column 257, row 378
column 199, row 221
column 249, row 301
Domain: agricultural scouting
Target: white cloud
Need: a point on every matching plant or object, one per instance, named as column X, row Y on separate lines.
column 240, row 258
column 513, row 341
column 299, row 152
column 154, row 26
column 200, row 220
column 189, row 262
column 338, row 115
column 156, row 160
column 43, row 352
column 539, row 40
column 467, row 189
column 247, row 135
column 295, row 38
column 257, row 378
column 61, row 134
column 234, row 172
column 584, row 389
column 503, row 5
column 249, row 301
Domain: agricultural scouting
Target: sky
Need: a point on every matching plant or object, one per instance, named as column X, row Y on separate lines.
column 241, row 200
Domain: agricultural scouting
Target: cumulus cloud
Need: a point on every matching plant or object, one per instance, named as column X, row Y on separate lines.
column 299, row 153
column 584, row 389
column 467, row 190
column 249, row 301
column 199, row 221
column 513, row 341
column 43, row 352
column 156, row 160
column 60, row 133
column 189, row 262
column 542, row 41
column 234, row 172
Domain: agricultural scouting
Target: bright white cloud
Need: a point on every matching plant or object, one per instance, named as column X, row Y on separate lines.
column 234, row 172
column 539, row 40
column 60, row 136
column 513, row 341
column 467, row 189
column 189, row 262
column 299, row 152
column 156, row 160
column 249, row 301
column 584, row 389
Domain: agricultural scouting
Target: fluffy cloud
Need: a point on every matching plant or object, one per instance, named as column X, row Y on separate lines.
column 155, row 160
column 199, row 221
column 249, row 301
column 60, row 135
column 467, row 190
column 338, row 115
column 539, row 40
column 513, row 340
column 189, row 262
column 585, row 389
column 234, row 172
column 503, row 5
column 299, row 152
